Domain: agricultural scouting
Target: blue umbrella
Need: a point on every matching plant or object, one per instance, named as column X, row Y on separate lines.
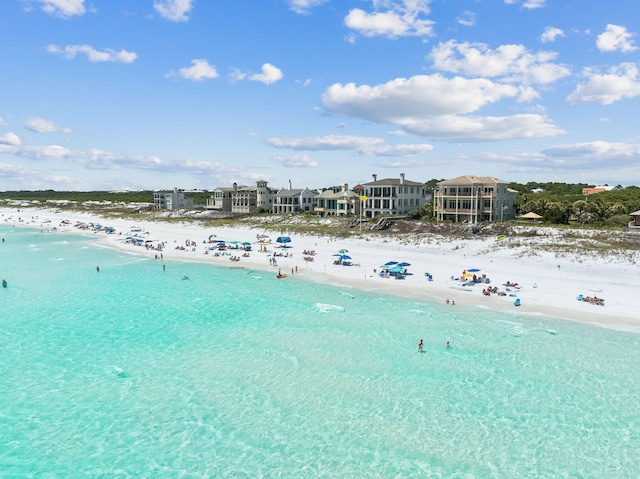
column 473, row 270
column 390, row 263
column 404, row 265
column 283, row 239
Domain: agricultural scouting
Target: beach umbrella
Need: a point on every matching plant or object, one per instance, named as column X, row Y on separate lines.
column 246, row 243
column 343, row 251
column 344, row 256
column 390, row 263
column 404, row 264
column 473, row 270
column 283, row 240
column 396, row 269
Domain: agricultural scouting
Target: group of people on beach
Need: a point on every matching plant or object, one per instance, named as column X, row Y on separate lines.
column 593, row 300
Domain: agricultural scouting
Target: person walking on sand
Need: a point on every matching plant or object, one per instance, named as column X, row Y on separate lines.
column 420, row 346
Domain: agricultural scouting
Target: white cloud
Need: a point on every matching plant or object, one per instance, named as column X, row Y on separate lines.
column 619, row 83
column 615, row 38
column 594, row 154
column 92, row 159
column 601, row 149
column 10, row 139
column 467, row 19
column 420, row 96
column 174, row 10
column 63, row 8
column 296, row 161
column 304, row 6
column 364, row 146
column 2, row 122
column 433, row 107
column 392, row 19
column 40, row 125
column 550, row 34
column 454, row 128
column 270, row 74
column 511, row 63
column 329, row 142
column 93, row 55
column 531, row 4
column 200, row 70
column 396, row 150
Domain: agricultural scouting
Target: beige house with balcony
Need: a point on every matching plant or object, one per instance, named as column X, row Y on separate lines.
column 338, row 202
column 473, row 199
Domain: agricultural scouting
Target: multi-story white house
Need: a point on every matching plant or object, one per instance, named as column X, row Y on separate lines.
column 171, row 200
column 472, row 199
column 294, row 200
column 393, row 196
column 338, row 202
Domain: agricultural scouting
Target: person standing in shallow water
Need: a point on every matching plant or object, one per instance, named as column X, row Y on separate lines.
column 98, row 269
column 420, row 346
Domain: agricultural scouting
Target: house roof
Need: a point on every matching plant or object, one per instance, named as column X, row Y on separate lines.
column 635, row 213
column 473, row 180
column 295, row 192
column 330, row 194
column 393, row 182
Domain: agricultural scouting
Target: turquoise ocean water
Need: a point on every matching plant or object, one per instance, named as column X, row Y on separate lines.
column 134, row 372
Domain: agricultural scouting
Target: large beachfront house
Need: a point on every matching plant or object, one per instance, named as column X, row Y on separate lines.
column 294, row 200
column 242, row 199
column 473, row 199
column 220, row 199
column 338, row 202
column 171, row 200
column 393, row 196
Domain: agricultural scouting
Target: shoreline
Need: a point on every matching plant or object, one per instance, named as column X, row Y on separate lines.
column 548, row 286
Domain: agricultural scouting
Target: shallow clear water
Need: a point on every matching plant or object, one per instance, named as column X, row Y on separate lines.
column 134, row 372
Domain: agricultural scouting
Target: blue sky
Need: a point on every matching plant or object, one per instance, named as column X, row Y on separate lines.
column 197, row 94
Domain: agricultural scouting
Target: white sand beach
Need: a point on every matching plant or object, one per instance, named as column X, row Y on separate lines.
column 547, row 285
